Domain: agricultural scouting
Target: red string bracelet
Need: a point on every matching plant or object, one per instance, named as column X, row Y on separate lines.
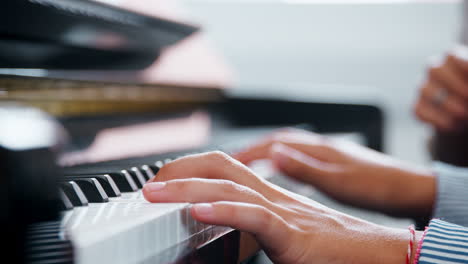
column 410, row 244
column 418, row 251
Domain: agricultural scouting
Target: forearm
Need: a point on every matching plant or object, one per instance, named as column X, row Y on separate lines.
column 407, row 191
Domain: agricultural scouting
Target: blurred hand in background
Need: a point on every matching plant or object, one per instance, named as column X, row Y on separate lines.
column 443, row 97
column 348, row 172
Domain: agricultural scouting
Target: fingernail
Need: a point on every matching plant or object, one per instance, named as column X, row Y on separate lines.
column 277, row 154
column 203, row 209
column 155, row 186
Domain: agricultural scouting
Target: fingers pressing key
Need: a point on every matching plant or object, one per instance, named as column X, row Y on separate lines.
column 215, row 166
column 202, row 190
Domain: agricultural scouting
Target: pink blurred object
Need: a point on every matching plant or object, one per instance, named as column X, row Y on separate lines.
column 193, row 61
column 144, row 139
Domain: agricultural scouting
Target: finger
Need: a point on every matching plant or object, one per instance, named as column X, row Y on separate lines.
column 309, row 143
column 449, row 76
column 261, row 149
column 202, row 190
column 426, row 112
column 459, row 57
column 217, row 165
column 453, row 105
column 269, row 228
column 301, row 166
column 209, row 165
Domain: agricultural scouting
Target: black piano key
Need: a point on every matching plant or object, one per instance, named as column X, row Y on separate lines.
column 139, row 183
column 65, row 204
column 148, row 172
column 74, row 193
column 159, row 164
column 142, row 160
column 105, row 180
column 93, row 190
column 45, row 244
column 60, row 253
column 95, row 169
column 40, row 225
column 109, row 185
column 139, row 175
column 155, row 168
column 125, row 182
column 46, row 248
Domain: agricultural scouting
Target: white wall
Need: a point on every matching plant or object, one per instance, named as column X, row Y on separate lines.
column 376, row 49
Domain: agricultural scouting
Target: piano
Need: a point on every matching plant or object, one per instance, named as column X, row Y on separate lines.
column 71, row 182
column 103, row 217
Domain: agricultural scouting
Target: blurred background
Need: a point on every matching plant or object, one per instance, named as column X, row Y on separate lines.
column 135, row 92
column 350, row 50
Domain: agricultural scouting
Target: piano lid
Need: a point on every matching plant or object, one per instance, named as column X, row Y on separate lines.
column 82, row 34
column 193, row 61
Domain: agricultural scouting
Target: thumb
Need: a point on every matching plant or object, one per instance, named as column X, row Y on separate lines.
column 303, row 167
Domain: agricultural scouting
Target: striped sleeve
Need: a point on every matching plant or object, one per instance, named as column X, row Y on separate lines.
column 452, row 194
column 444, row 243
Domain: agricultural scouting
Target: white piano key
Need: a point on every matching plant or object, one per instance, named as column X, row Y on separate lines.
column 128, row 229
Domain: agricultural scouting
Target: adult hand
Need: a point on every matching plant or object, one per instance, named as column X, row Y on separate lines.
column 348, row 172
column 443, row 97
column 289, row 229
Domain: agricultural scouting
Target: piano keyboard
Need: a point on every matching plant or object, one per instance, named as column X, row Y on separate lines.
column 108, row 220
column 105, row 218
column 46, row 244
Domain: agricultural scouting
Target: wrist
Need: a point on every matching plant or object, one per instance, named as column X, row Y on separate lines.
column 395, row 247
column 416, row 247
column 422, row 194
column 413, row 192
